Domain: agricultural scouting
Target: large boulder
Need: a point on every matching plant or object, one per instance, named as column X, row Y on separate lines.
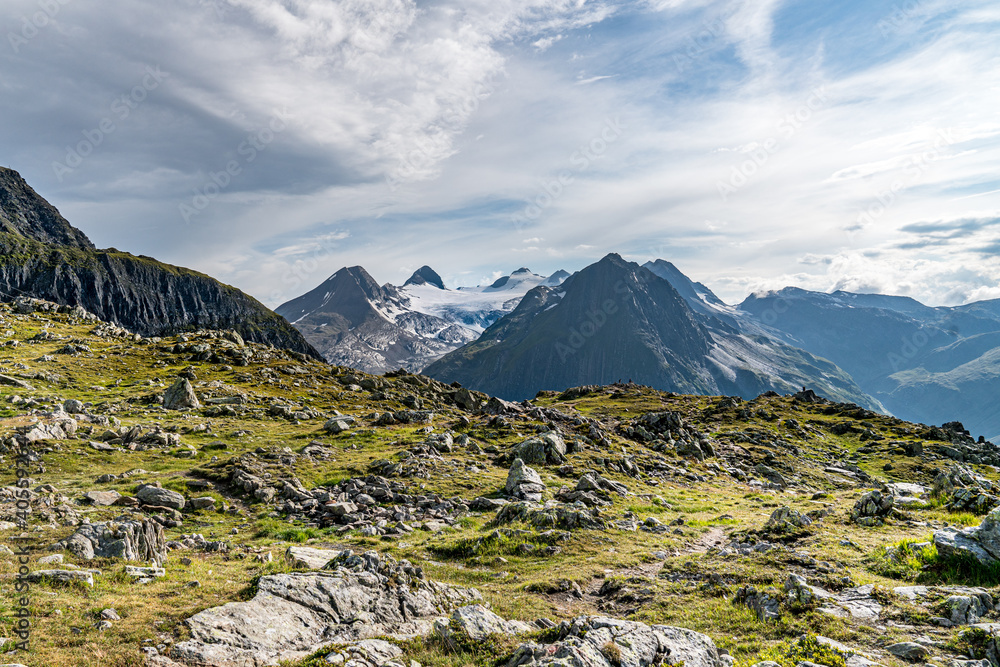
column 545, row 449
column 292, row 615
column 982, row 542
column 180, row 395
column 524, row 482
column 154, row 495
column 129, row 540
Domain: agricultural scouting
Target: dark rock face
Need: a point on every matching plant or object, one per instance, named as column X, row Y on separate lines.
column 425, row 275
column 43, row 256
column 24, row 212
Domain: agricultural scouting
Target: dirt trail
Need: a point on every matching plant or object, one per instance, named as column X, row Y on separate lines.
column 715, row 537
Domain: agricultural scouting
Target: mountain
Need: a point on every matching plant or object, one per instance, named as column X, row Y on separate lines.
column 43, row 256
column 425, row 275
column 922, row 363
column 615, row 320
column 355, row 322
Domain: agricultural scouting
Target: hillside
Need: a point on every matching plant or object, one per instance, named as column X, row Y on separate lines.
column 43, row 256
column 749, row 521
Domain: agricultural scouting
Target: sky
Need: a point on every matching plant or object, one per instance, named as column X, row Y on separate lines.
column 753, row 143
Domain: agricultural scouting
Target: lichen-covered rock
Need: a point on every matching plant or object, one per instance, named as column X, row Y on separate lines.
column 545, row 449
column 872, row 509
column 973, row 500
column 584, row 642
column 129, row 540
column 786, row 519
column 552, row 515
column 360, row 597
column 180, row 395
column 154, row 495
column 524, row 482
column 765, row 606
column 982, row 542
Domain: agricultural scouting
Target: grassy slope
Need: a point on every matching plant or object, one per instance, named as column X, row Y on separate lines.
column 116, row 375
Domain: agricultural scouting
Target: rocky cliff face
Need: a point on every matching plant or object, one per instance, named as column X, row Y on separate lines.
column 24, row 212
column 43, row 256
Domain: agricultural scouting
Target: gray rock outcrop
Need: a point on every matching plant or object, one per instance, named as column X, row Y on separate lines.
column 180, row 395
column 982, row 542
column 129, row 540
column 293, row 615
column 524, row 482
column 586, row 642
column 545, row 449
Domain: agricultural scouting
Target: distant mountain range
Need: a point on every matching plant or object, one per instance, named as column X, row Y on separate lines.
column 43, row 256
column 353, row 321
column 924, row 364
column 618, row 321
column 615, row 320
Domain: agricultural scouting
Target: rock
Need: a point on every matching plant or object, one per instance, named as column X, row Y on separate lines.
column 552, row 515
column 294, row 614
column 909, row 651
column 981, row 542
column 766, row 607
column 856, row 602
column 466, row 400
column 972, row 500
column 584, row 643
column 966, row 609
column 110, row 615
column 591, row 481
column 73, row 406
column 154, row 495
column 49, row 560
column 129, row 540
column 482, row 504
column 310, row 557
column 376, row 652
column 786, row 519
column 523, row 482
column 83, row 576
column 202, row 503
column 144, row 572
column 338, row 424
column 771, row 475
column 872, row 509
column 547, row 448
column 14, row 382
column 180, row 395
column 479, row 623
column 102, row 498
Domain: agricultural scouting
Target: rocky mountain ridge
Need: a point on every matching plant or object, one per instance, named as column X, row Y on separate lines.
column 43, row 256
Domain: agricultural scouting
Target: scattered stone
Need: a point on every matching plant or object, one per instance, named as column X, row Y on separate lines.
column 981, row 542
column 523, row 482
column 156, row 496
column 872, row 509
column 338, row 424
column 180, row 395
column 608, row 642
column 545, row 449
column 909, row 651
column 102, row 498
column 787, row 520
column 83, row 576
column 360, row 597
